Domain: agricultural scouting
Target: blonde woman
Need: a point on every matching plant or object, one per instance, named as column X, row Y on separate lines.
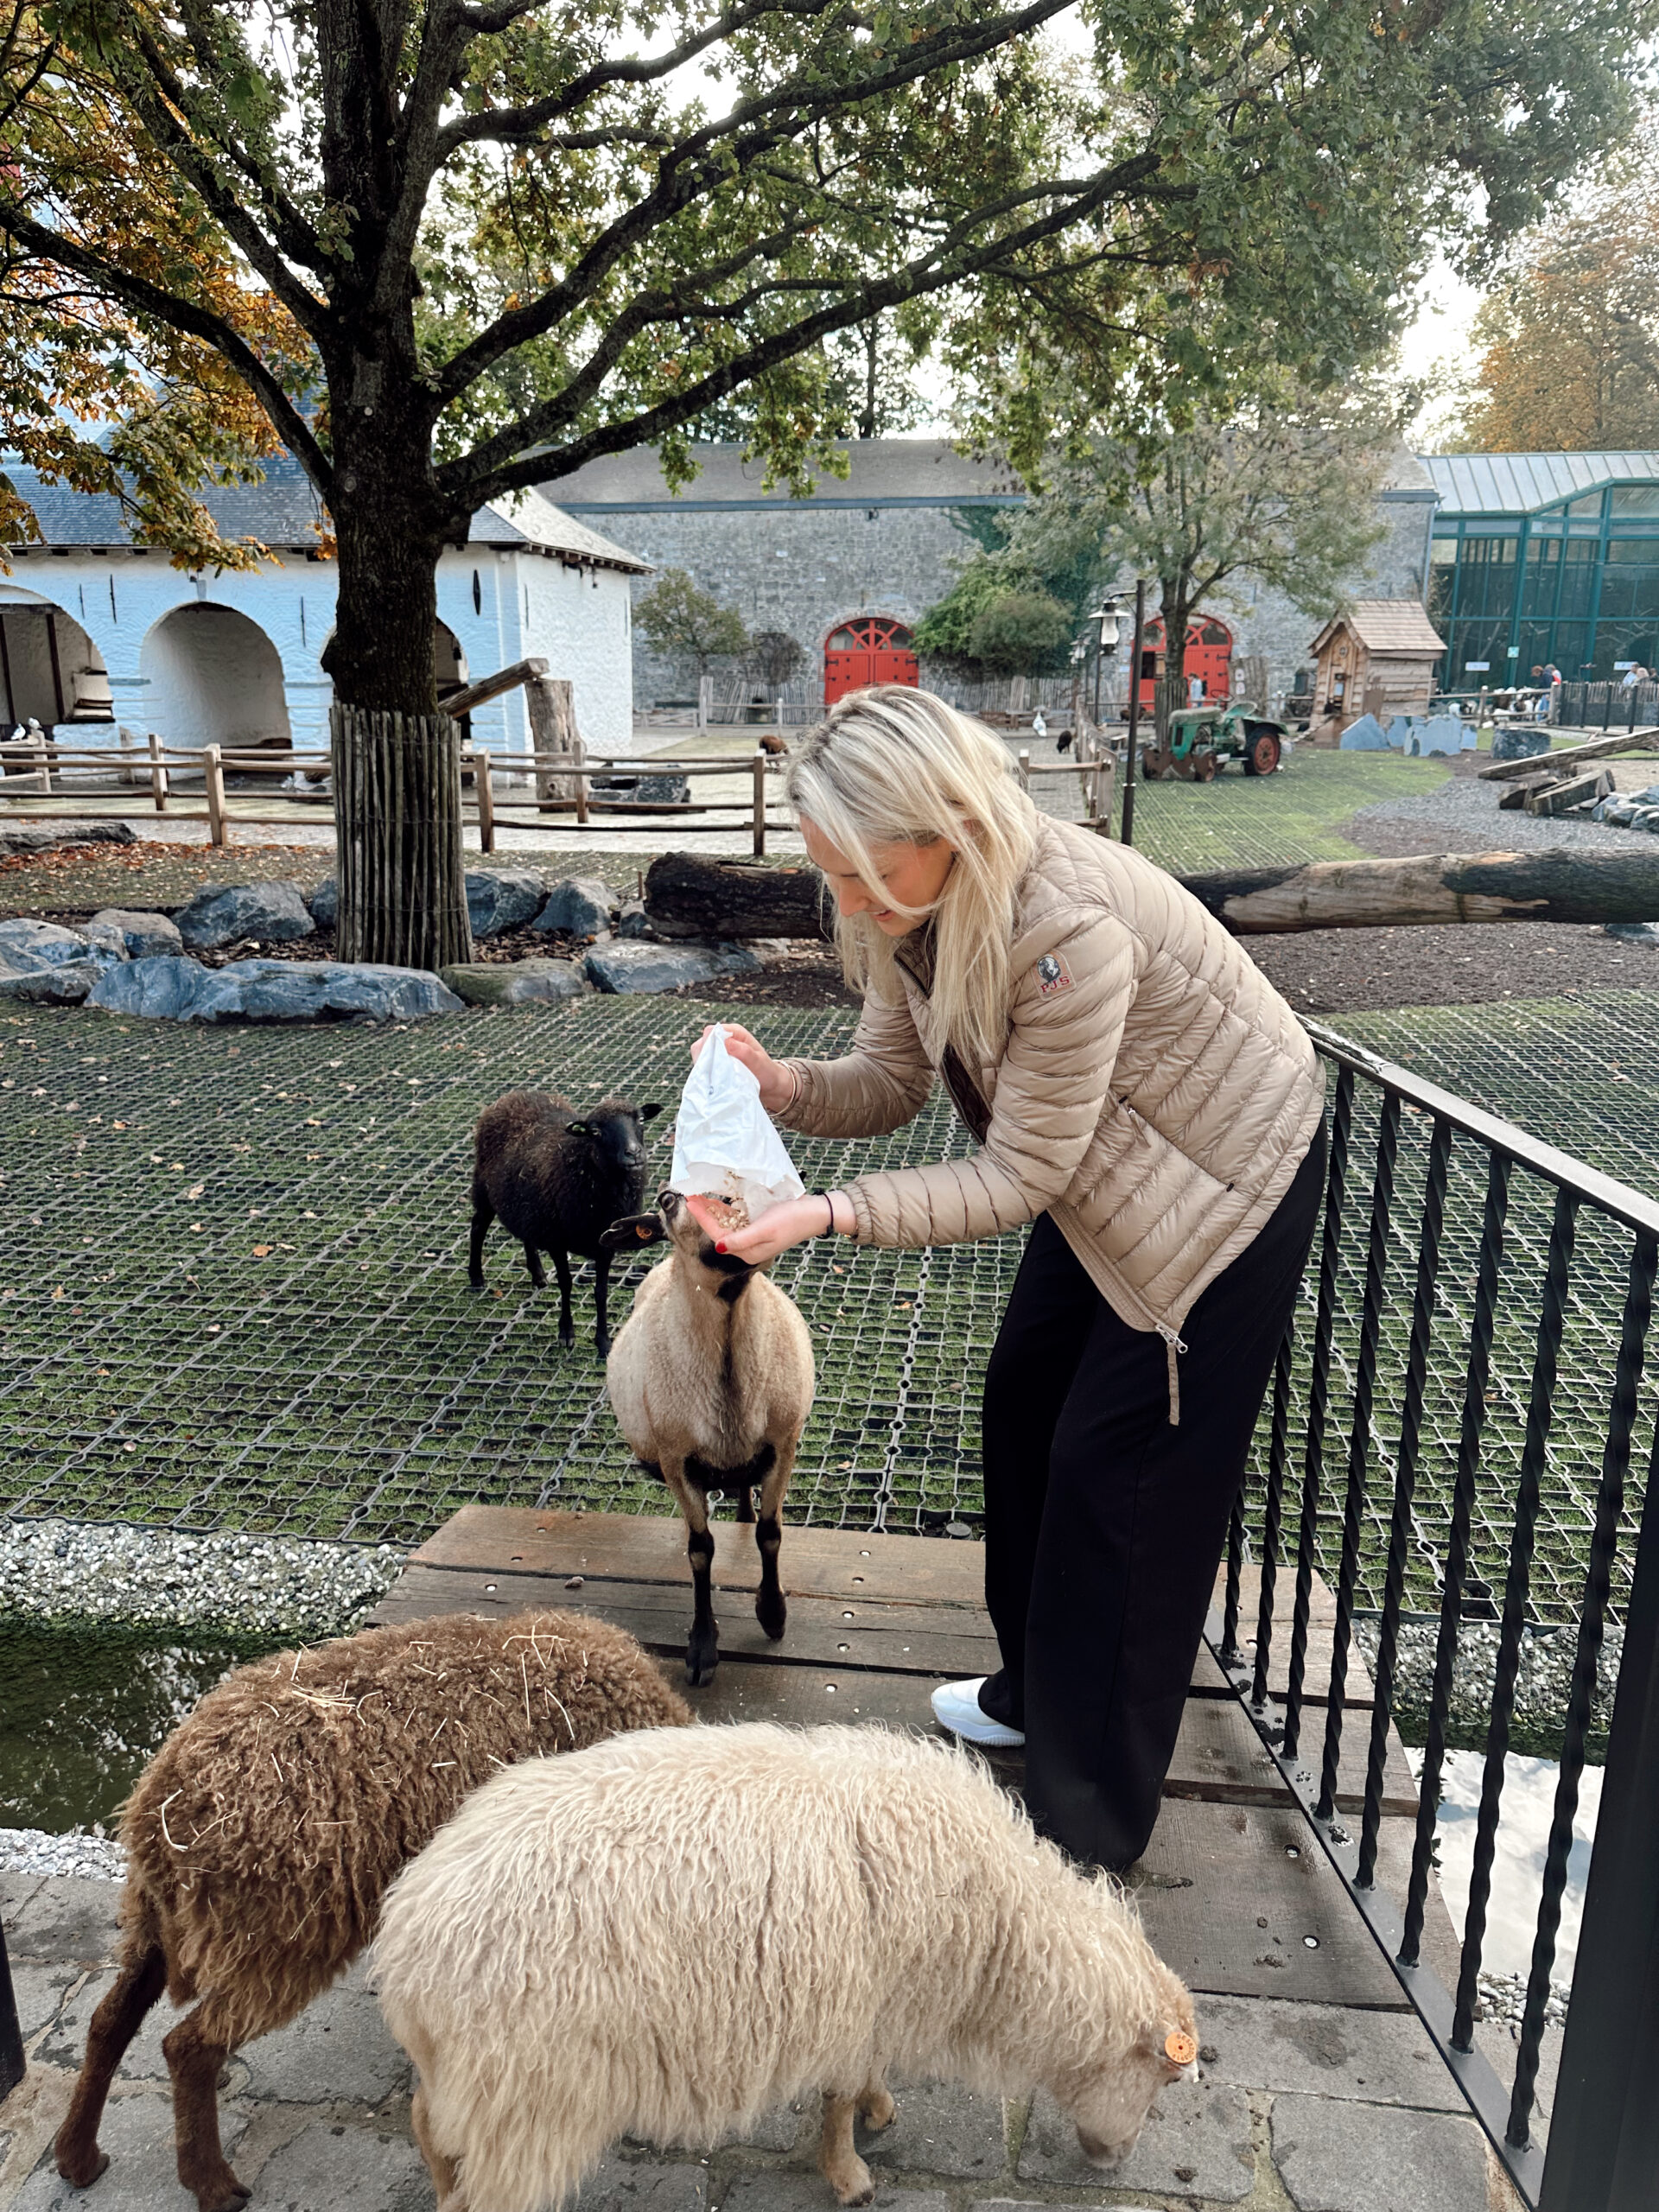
column 1137, row 1089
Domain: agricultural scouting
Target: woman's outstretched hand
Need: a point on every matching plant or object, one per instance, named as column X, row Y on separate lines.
column 776, row 1086
column 792, row 1223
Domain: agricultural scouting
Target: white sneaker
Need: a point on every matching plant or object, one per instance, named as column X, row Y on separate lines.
column 957, row 1707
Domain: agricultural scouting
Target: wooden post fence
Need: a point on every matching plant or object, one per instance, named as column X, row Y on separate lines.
column 157, row 775
column 213, row 781
column 760, row 773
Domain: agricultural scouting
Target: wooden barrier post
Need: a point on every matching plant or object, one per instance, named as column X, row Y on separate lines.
column 157, row 775
column 1024, row 768
column 760, row 773
column 485, row 801
column 213, row 779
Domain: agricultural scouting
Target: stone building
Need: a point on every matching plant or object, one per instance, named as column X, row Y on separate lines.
column 97, row 633
column 887, row 540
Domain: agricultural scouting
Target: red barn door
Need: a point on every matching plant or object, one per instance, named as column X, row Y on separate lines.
column 870, row 649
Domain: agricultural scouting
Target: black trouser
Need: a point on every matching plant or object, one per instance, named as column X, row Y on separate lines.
column 1104, row 1523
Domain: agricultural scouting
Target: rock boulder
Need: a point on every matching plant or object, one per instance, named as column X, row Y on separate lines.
column 181, row 990
column 143, row 935
column 269, row 913
column 517, row 983
column 503, row 901
column 629, row 967
column 577, row 905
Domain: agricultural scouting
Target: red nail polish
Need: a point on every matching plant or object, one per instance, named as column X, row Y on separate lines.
column 720, row 1248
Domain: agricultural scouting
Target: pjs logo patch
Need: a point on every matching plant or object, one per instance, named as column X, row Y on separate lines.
column 1051, row 975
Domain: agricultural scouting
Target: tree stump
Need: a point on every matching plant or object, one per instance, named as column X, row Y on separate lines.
column 402, row 873
column 686, row 896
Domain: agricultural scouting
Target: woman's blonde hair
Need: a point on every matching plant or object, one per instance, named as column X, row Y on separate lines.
column 892, row 766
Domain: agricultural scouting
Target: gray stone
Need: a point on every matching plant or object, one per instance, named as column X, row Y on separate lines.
column 940, row 2127
column 517, row 983
column 265, row 913
column 503, row 901
column 105, row 937
column 1196, row 2138
column 647, row 2185
column 333, row 2169
column 1324, row 2050
column 66, row 1922
column 628, row 968
column 16, row 1888
column 773, row 2191
column 577, row 905
column 1012, row 2204
column 1365, row 735
column 1519, row 742
column 324, row 903
column 136, row 2134
column 271, row 990
column 169, row 987
column 293, row 990
column 338, row 2049
column 40, row 1992
column 1635, row 932
column 142, row 935
column 633, row 920
column 62, row 986
column 29, row 946
column 1334, row 2157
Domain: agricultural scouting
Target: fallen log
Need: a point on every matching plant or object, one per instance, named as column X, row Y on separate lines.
column 686, row 896
column 1556, row 885
column 1625, row 740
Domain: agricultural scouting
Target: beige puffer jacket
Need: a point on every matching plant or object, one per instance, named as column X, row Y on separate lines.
column 1155, row 1094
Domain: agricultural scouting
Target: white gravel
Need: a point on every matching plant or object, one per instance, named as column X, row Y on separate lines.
column 1542, row 1684
column 253, row 1585
column 89, row 1858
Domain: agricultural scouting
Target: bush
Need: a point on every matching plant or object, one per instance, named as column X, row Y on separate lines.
column 679, row 618
column 1019, row 633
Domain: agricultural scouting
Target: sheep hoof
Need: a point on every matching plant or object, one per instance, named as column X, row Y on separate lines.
column 479, row 1287
column 224, row 2194
column 855, row 2186
column 567, row 1338
column 82, row 2175
column 774, row 1618
column 601, row 1347
column 701, row 1661
column 877, row 2112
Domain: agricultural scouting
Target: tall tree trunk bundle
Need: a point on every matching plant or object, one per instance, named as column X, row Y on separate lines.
column 401, row 872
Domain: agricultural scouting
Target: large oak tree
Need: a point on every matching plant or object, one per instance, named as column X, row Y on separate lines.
column 442, row 249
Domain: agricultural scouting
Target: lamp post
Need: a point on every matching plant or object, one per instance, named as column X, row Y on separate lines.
column 1126, row 834
column 1105, row 617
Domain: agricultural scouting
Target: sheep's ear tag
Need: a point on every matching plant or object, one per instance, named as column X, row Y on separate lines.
column 1179, row 2048
column 577, row 1130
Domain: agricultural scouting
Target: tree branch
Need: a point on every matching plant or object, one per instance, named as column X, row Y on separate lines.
column 500, row 465
column 145, row 298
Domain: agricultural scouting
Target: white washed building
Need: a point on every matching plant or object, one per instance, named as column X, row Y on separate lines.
column 97, row 634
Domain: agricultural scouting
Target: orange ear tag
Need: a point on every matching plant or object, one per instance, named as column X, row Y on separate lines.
column 1179, row 2048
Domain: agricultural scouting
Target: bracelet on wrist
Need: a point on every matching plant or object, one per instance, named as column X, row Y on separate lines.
column 829, row 1228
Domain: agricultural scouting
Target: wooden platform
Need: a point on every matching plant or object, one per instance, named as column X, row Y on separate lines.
column 1234, row 1891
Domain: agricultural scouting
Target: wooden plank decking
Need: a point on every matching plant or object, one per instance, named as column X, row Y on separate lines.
column 1234, row 1890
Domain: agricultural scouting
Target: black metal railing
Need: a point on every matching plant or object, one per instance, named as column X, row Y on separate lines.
column 1438, row 1387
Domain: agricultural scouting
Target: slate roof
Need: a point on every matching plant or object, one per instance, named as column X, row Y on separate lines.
column 283, row 512
column 1520, row 483
column 1387, row 625
column 882, row 472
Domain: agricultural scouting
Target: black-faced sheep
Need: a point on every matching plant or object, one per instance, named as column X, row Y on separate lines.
column 711, row 1381
column 261, row 1837
column 557, row 1178
column 672, row 1933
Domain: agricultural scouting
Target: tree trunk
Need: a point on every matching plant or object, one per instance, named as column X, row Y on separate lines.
column 688, row 896
column 397, row 826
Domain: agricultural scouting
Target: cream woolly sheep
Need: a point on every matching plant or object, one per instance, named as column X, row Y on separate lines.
column 262, row 1836
column 711, row 1381
column 669, row 1934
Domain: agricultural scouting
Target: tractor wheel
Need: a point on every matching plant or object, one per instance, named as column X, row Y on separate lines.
column 1157, row 766
column 1262, row 753
column 1204, row 765
column 1184, row 767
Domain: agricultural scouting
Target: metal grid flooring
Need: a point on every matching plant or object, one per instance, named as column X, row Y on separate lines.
column 233, row 1285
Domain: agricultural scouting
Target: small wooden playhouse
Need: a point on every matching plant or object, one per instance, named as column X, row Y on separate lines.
column 1378, row 659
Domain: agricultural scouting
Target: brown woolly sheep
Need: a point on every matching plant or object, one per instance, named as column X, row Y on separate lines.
column 671, row 1933
column 261, row 1837
column 557, row 1178
column 711, row 1381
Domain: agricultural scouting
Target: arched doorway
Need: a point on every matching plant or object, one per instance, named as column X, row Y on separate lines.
column 50, row 671
column 214, row 678
column 870, row 649
column 1209, row 657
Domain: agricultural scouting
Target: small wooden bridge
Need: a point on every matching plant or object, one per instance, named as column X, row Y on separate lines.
column 1234, row 1892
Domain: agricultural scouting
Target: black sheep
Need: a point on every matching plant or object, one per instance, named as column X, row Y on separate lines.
column 557, row 1179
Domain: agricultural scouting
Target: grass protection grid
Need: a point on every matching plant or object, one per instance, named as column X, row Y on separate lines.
column 232, row 1288
column 1584, row 1074
column 233, row 1292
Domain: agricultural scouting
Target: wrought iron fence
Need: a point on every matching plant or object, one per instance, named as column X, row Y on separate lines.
column 1389, row 1494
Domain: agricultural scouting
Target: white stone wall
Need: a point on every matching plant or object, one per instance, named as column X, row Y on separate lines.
column 197, row 677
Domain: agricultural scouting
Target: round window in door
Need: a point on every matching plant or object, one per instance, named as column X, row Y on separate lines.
column 870, row 649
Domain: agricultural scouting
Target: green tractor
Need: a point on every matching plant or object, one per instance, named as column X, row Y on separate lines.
column 1202, row 738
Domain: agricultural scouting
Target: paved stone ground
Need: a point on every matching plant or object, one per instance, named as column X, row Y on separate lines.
column 1319, row 2108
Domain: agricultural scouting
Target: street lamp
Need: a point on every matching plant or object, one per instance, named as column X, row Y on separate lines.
column 1106, row 616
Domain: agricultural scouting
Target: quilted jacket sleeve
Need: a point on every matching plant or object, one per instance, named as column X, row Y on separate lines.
column 1050, row 1092
column 879, row 1085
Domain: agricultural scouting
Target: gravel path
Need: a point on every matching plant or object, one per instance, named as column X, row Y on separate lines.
column 1351, row 971
column 259, row 1586
column 1461, row 815
column 89, row 1858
